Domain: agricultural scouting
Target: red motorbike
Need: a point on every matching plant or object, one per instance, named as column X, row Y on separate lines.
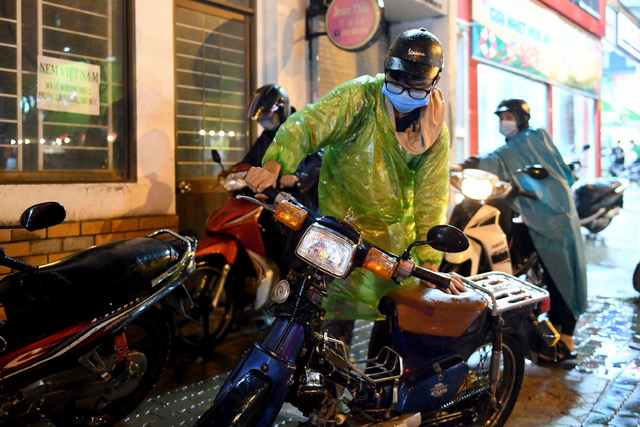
column 234, row 274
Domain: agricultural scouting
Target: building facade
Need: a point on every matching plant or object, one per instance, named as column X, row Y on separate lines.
column 546, row 52
column 112, row 107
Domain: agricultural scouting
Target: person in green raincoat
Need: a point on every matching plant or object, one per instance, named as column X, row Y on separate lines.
column 552, row 219
column 386, row 160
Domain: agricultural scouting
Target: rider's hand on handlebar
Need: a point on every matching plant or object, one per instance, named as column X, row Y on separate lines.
column 288, row 181
column 258, row 179
column 455, row 288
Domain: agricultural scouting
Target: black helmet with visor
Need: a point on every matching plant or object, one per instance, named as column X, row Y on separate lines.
column 266, row 101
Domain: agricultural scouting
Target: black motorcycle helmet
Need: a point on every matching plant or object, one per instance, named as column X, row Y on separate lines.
column 267, row 100
column 519, row 107
column 416, row 52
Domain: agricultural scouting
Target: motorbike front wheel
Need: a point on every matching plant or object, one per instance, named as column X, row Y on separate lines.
column 148, row 335
column 209, row 320
column 475, row 393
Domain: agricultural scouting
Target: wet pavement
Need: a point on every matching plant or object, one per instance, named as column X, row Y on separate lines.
column 599, row 388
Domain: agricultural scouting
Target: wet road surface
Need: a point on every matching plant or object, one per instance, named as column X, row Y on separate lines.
column 599, row 388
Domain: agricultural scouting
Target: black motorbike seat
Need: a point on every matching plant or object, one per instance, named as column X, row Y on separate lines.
column 101, row 276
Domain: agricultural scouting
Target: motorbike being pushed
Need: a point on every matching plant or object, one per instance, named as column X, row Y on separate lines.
column 84, row 339
column 453, row 360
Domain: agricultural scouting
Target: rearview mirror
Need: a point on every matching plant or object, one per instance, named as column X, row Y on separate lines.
column 447, row 238
column 535, row 171
column 216, row 156
column 443, row 238
column 43, row 215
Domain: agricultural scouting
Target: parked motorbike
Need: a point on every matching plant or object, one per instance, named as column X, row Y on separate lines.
column 598, row 201
column 454, row 360
column 499, row 239
column 629, row 171
column 83, row 340
column 233, row 275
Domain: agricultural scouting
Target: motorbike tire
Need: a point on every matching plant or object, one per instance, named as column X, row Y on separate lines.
column 148, row 334
column 636, row 278
column 206, row 324
column 511, row 376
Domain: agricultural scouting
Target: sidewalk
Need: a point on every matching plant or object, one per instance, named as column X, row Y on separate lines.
column 599, row 388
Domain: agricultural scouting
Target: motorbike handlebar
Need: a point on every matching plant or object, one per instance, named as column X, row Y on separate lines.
column 528, row 195
column 271, row 192
column 16, row 264
column 517, row 191
column 438, row 279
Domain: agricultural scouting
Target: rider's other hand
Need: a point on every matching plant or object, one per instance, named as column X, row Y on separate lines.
column 456, row 287
column 258, row 179
column 288, row 181
column 455, row 168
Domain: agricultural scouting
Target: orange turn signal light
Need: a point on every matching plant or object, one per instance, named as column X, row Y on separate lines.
column 380, row 263
column 290, row 215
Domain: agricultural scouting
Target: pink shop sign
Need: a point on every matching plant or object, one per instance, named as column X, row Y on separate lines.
column 353, row 24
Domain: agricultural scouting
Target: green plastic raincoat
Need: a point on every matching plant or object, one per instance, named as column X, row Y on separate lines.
column 552, row 219
column 395, row 196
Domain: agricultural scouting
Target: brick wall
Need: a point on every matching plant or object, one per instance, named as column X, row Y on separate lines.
column 48, row 245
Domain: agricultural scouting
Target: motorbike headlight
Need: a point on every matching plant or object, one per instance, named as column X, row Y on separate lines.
column 234, row 181
column 476, row 184
column 327, row 250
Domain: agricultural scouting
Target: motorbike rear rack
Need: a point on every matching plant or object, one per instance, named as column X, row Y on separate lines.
column 386, row 366
column 506, row 292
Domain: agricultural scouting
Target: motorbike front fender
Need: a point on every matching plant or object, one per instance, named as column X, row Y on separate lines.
column 241, row 403
column 226, row 246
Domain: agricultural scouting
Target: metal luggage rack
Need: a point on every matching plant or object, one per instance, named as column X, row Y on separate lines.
column 506, row 292
column 386, row 366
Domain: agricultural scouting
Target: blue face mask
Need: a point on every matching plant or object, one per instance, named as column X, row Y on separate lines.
column 403, row 102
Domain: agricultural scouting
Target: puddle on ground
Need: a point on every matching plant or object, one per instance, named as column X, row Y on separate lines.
column 611, row 342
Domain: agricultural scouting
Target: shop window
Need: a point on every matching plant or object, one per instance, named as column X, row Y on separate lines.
column 65, row 97
column 573, row 125
column 494, row 85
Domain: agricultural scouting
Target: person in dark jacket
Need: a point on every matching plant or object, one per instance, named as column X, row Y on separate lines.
column 270, row 107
